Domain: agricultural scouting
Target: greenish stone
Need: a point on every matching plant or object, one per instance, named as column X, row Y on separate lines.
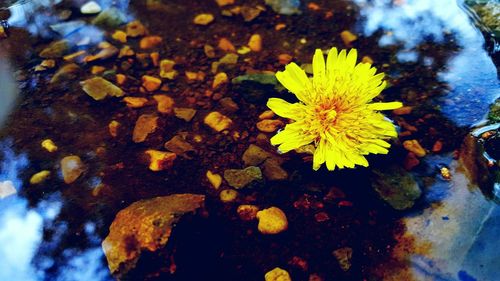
column 255, row 155
column 396, row 186
column 56, row 49
column 240, row 178
column 110, row 18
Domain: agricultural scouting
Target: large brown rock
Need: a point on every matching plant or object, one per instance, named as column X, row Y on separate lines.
column 145, row 225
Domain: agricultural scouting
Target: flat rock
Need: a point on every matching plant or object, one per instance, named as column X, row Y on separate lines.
column 240, row 178
column 99, row 88
column 254, row 155
column 56, row 49
column 145, row 225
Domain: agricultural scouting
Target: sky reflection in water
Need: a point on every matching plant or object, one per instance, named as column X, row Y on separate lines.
column 470, row 74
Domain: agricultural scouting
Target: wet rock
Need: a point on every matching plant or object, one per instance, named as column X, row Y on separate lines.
column 247, row 212
column 136, row 29
column 284, row 7
column 214, row 179
column 277, row 274
column 99, row 88
column 219, row 79
column 145, row 225
column 255, row 43
column 67, row 72
column 165, row 103
column 49, row 145
column 226, row 45
column 269, row 126
column 203, row 19
column 344, row 256
column 7, row 189
column 240, row 178
column 348, row 37
column 256, row 88
column 40, row 177
column 250, row 13
column 160, row 160
column 229, row 105
column 150, row 42
column 228, row 195
column 55, row 50
column 90, row 8
column 217, row 121
column 110, row 18
column 272, row 221
column 145, row 125
column 415, row 147
column 72, row 168
column 480, row 155
column 135, row 102
column 255, row 155
column 273, row 171
column 151, row 83
column 185, row 114
column 179, row 146
column 120, row 36
column 396, row 186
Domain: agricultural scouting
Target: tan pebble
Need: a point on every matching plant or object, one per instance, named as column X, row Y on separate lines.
column 39, row 177
column 97, row 69
column 367, row 59
column 150, row 42
column 284, row 59
column 120, row 79
column 415, row 147
column 72, row 168
column 145, row 125
column 155, row 58
column 160, row 160
column 214, row 179
column 75, row 56
column 113, row 128
column 219, row 79
column 348, row 37
column 226, row 45
column 151, row 83
column 438, row 145
column 277, row 274
column 209, row 51
column 255, row 43
column 126, row 51
column 403, row 110
column 279, row 26
column 185, row 114
column 247, row 212
column 135, row 102
column 228, row 195
column 135, row 29
column 222, row 3
column 203, row 19
column 217, row 121
column 120, row 36
column 167, row 69
column 269, row 126
column 268, row 114
column 272, row 221
column 165, row 103
column 49, row 145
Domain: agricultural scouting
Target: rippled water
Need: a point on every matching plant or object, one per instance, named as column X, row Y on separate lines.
column 436, row 61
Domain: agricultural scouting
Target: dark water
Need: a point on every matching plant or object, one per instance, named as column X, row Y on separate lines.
column 436, row 61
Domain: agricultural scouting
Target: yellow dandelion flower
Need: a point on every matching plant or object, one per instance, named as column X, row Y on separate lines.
column 335, row 110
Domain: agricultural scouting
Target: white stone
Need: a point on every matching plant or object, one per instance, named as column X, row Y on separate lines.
column 7, row 189
column 90, row 8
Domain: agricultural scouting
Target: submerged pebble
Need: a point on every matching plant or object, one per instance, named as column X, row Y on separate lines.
column 344, row 256
column 72, row 168
column 90, row 8
column 217, row 121
column 145, row 125
column 49, row 145
column 160, row 160
column 214, row 179
column 203, row 19
column 39, row 177
column 254, row 155
column 272, row 221
column 99, row 88
column 240, row 178
column 277, row 274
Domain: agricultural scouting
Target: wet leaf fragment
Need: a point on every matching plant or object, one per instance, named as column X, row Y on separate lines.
column 145, row 225
column 99, row 88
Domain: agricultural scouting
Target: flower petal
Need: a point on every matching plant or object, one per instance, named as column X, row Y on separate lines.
column 284, row 109
column 385, row 105
column 319, row 155
column 331, row 61
column 350, row 62
column 296, row 81
column 318, row 67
